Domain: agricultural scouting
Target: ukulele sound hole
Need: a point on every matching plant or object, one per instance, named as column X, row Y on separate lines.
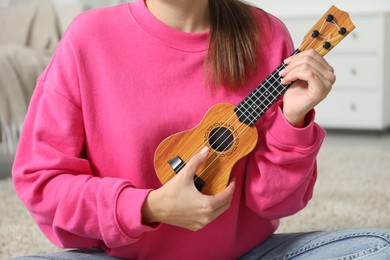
column 221, row 139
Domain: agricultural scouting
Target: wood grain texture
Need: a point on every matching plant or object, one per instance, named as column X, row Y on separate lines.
column 332, row 27
column 216, row 171
column 329, row 31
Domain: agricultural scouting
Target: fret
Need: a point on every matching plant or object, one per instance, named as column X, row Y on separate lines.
column 262, row 98
column 270, row 90
column 228, row 138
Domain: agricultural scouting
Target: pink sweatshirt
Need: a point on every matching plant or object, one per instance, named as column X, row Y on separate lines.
column 119, row 83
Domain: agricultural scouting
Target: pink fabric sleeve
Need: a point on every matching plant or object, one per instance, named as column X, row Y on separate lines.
column 282, row 172
column 72, row 207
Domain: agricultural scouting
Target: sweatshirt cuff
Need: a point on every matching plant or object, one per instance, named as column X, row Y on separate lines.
column 128, row 212
column 284, row 133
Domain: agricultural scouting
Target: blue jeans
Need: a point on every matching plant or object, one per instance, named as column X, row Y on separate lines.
column 342, row 244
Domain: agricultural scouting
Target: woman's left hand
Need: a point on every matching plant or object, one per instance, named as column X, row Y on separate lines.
column 313, row 78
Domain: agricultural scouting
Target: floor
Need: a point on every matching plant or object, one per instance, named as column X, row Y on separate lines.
column 357, row 141
column 5, row 164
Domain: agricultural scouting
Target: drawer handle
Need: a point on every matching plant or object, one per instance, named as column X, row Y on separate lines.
column 354, row 71
column 353, row 107
column 354, row 36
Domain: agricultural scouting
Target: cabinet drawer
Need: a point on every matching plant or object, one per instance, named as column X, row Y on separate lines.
column 356, row 70
column 346, row 109
column 367, row 36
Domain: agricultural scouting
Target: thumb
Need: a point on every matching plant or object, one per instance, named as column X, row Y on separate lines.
column 196, row 161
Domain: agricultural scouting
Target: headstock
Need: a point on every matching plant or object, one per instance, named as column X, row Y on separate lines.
column 333, row 26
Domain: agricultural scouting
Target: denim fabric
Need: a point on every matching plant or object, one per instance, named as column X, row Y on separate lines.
column 342, row 244
column 81, row 254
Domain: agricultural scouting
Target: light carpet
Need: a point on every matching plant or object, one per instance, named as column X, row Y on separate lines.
column 353, row 190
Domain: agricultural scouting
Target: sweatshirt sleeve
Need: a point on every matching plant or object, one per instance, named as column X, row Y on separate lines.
column 52, row 174
column 282, row 170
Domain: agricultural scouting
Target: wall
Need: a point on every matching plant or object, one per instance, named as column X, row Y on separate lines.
column 278, row 7
column 92, row 3
column 360, row 98
column 285, row 7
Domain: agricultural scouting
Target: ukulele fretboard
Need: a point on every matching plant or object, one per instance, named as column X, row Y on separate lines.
column 262, row 98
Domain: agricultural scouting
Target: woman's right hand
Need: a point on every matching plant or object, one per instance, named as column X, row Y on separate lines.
column 180, row 204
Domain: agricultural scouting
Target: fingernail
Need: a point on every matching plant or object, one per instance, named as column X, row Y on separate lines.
column 204, row 150
column 282, row 72
column 286, row 61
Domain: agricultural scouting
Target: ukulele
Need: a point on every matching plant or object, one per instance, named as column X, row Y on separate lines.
column 229, row 130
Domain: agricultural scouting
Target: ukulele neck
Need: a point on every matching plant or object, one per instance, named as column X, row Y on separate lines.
column 333, row 26
column 263, row 97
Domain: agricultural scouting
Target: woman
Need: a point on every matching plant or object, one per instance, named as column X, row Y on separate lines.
column 123, row 79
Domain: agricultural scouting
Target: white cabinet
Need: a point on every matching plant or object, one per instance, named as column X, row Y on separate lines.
column 360, row 99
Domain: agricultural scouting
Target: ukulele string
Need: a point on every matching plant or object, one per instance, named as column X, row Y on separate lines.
column 221, row 135
column 226, row 123
column 261, row 102
column 318, row 50
column 235, row 131
column 247, row 117
column 217, row 157
column 246, row 110
column 321, row 36
column 205, row 143
column 237, row 119
column 313, row 40
column 335, row 24
column 329, row 38
column 219, row 154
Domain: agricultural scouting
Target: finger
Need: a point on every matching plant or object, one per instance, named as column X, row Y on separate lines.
column 196, row 161
column 319, row 87
column 216, row 213
column 224, row 197
column 217, row 204
column 316, row 66
column 308, row 55
column 309, row 65
column 302, row 72
column 310, row 58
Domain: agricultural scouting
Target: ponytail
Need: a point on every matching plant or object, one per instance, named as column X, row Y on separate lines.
column 232, row 54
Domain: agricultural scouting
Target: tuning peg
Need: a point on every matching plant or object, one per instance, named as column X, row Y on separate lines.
column 329, row 18
column 315, row 34
column 342, row 30
column 326, row 45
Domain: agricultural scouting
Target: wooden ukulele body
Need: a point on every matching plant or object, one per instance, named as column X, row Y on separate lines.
column 228, row 139
column 222, row 121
